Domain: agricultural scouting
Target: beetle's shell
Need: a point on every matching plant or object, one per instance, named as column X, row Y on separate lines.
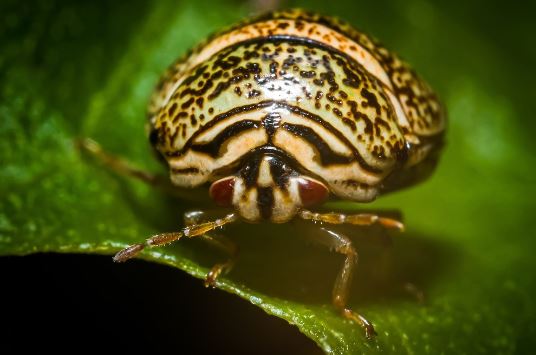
column 353, row 114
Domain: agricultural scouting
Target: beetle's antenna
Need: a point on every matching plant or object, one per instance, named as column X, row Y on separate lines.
column 168, row 238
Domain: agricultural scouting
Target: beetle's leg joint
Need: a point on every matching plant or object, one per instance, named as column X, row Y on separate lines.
column 219, row 241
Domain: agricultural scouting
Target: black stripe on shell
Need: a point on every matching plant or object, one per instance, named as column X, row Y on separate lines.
column 277, row 104
column 213, row 147
column 327, row 155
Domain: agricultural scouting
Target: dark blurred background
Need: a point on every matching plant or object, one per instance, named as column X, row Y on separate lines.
column 74, row 303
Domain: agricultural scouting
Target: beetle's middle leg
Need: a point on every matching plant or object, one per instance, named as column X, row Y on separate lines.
column 217, row 240
column 341, row 290
column 360, row 219
column 364, row 219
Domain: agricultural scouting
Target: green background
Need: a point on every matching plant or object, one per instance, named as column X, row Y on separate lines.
column 70, row 69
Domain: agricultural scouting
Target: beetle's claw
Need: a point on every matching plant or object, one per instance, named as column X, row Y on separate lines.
column 391, row 223
column 213, row 274
column 367, row 326
column 128, row 253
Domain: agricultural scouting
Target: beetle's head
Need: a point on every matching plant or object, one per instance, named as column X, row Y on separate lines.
column 267, row 187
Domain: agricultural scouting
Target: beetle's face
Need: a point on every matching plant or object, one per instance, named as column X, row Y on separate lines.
column 267, row 188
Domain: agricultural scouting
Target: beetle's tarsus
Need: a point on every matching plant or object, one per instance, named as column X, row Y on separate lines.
column 164, row 238
column 213, row 274
column 128, row 253
column 367, row 326
column 391, row 223
column 219, row 269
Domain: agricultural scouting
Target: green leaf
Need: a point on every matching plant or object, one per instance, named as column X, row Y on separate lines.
column 72, row 70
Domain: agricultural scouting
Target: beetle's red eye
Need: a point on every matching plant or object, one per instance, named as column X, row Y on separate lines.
column 312, row 191
column 222, row 191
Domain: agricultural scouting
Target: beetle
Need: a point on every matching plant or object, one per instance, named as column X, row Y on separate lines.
column 280, row 113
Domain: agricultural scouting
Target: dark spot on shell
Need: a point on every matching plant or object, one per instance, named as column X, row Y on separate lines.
column 188, row 103
column 253, row 68
column 333, row 99
column 250, row 54
column 307, row 74
column 216, row 75
column 172, row 109
column 253, row 93
column 350, row 124
column 179, row 116
column 371, row 100
column 218, row 90
column 318, row 82
column 283, row 25
column 227, row 63
column 380, row 122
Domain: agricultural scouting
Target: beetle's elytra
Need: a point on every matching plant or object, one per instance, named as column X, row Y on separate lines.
column 281, row 112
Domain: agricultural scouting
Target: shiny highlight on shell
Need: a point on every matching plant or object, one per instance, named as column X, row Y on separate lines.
column 289, row 96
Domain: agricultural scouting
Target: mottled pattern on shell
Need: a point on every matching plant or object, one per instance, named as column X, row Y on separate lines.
column 372, row 121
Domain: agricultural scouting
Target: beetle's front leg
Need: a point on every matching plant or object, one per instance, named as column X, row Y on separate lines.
column 194, row 230
column 341, row 290
column 119, row 165
column 122, row 166
column 360, row 219
column 219, row 241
